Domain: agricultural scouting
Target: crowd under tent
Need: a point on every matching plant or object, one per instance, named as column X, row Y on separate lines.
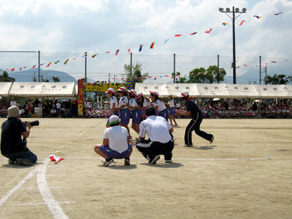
column 43, row 89
column 5, row 88
column 219, row 90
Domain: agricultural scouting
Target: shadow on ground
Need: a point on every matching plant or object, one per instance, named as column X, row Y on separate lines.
column 164, row 165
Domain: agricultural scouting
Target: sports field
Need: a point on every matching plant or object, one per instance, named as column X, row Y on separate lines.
column 245, row 173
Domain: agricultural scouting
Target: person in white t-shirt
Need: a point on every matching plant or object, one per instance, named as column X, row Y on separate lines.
column 12, row 102
column 171, row 110
column 116, row 143
column 111, row 93
column 160, row 138
column 135, row 111
column 58, row 106
column 158, row 104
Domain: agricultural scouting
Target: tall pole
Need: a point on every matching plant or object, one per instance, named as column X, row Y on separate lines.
column 85, row 67
column 234, row 53
column 260, row 69
column 174, row 68
column 218, row 61
column 131, row 64
column 39, row 66
column 233, row 18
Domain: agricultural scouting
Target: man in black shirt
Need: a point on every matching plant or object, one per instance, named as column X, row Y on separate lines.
column 12, row 146
column 195, row 112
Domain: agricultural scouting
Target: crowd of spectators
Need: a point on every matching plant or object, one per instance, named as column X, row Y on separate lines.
column 49, row 108
column 210, row 109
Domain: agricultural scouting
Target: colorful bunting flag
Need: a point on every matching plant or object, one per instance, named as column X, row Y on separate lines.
column 198, row 73
column 129, row 50
column 12, row 69
column 258, row 17
column 152, row 45
column 141, row 47
column 178, row 35
column 56, row 62
column 34, row 66
column 206, row 72
column 224, row 24
column 241, row 22
column 213, row 72
column 274, row 61
column 165, row 41
column 193, row 33
column 67, row 60
column 94, row 55
column 208, row 31
column 49, row 64
column 20, row 68
column 278, row 13
column 117, row 52
column 107, row 52
column 245, row 65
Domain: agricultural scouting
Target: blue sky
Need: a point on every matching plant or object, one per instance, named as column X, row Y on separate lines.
column 68, row 28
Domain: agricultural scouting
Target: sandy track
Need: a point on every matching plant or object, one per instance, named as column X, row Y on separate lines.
column 232, row 178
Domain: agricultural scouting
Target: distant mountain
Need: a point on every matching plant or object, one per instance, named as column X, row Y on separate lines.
column 28, row 75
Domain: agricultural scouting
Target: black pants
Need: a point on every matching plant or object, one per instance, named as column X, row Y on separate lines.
column 195, row 125
column 157, row 148
column 22, row 154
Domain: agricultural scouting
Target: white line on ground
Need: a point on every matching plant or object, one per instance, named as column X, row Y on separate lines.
column 178, row 159
column 5, row 198
column 48, row 197
column 51, row 187
column 71, row 202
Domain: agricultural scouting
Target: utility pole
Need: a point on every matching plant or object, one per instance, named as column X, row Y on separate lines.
column 260, row 69
column 174, row 70
column 266, row 73
column 39, row 66
column 233, row 18
column 109, row 77
column 131, row 65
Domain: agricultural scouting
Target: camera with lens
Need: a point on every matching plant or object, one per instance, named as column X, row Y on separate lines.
column 33, row 123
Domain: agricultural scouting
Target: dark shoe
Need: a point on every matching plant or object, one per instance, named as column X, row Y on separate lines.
column 10, row 161
column 168, row 161
column 23, row 162
column 127, row 161
column 108, row 161
column 212, row 139
column 188, row 145
column 154, row 159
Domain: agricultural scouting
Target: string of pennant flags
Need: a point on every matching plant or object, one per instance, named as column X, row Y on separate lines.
column 152, row 45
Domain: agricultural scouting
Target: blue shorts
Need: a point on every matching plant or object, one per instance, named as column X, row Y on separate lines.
column 136, row 116
column 114, row 154
column 163, row 113
column 125, row 115
column 172, row 111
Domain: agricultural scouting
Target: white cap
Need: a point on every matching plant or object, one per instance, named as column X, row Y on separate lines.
column 113, row 120
column 183, row 94
column 154, row 93
column 133, row 92
column 13, row 111
column 111, row 90
column 123, row 89
column 140, row 94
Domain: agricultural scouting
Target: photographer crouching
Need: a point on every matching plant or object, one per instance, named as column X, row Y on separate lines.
column 12, row 146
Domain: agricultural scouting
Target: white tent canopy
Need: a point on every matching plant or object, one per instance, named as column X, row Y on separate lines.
column 43, row 89
column 218, row 90
column 5, row 88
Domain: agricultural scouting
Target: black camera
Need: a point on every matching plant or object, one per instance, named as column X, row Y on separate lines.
column 34, row 123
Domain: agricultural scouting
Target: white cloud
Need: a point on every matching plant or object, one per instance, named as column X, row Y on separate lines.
column 71, row 27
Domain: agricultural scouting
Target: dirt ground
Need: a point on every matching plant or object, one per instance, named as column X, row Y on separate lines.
column 245, row 173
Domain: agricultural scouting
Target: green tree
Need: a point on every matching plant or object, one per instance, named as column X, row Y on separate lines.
column 55, row 79
column 201, row 75
column 5, row 77
column 278, row 79
column 137, row 75
column 44, row 79
column 219, row 74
